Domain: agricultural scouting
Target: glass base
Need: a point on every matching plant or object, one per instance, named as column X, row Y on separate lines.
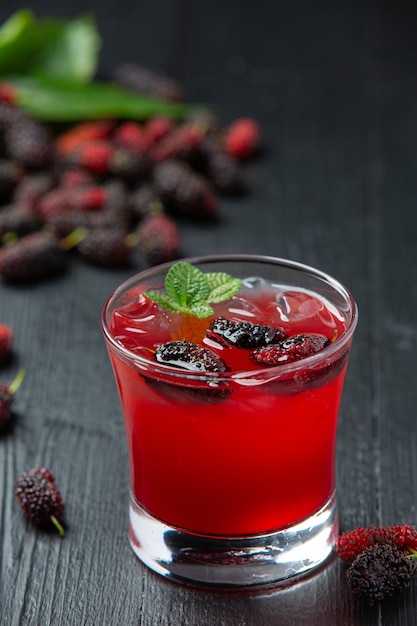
column 238, row 561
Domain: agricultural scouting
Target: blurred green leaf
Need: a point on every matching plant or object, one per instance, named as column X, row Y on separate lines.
column 66, row 49
column 52, row 62
column 56, row 100
column 70, row 49
column 18, row 42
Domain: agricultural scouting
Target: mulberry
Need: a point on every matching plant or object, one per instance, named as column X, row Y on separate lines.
column 242, row 138
column 159, row 238
column 10, row 176
column 380, row 571
column 189, row 356
column 7, row 393
column 245, row 334
column 31, row 189
column 106, row 247
column 40, row 498
column 350, row 544
column 9, row 115
column 17, row 220
column 148, row 81
column 132, row 136
column 156, row 128
column 6, row 342
column 117, row 211
column 84, row 132
column 29, row 143
column 184, row 190
column 113, row 212
column 94, row 156
column 128, row 164
column 194, row 358
column 144, row 201
column 81, row 198
column 8, row 93
column 31, row 258
column 291, row 349
column 223, row 170
column 181, row 143
column 76, row 177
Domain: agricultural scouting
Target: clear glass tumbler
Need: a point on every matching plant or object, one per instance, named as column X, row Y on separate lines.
column 232, row 473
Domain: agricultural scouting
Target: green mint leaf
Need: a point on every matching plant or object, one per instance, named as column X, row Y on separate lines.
column 189, row 290
column 222, row 286
column 201, row 310
column 186, row 284
column 163, row 301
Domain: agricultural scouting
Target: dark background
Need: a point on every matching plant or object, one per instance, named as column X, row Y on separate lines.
column 334, row 86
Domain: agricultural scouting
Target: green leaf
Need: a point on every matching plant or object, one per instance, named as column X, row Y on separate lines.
column 189, row 290
column 163, row 301
column 18, row 41
column 51, row 63
column 55, row 100
column 201, row 310
column 66, row 49
column 70, row 49
column 186, row 284
column 222, row 286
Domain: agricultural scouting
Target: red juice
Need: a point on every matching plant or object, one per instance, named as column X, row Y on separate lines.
column 253, row 460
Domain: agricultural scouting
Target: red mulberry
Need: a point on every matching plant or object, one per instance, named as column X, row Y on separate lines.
column 158, row 238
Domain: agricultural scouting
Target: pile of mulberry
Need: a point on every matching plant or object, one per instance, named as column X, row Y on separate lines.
column 113, row 175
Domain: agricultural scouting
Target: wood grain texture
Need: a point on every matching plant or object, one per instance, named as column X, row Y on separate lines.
column 333, row 85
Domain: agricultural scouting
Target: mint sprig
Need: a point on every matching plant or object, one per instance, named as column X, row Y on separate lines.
column 189, row 290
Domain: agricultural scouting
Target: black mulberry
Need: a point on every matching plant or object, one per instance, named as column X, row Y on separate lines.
column 17, row 220
column 245, row 334
column 106, row 247
column 189, row 356
column 144, row 201
column 29, row 143
column 10, row 176
column 183, row 190
column 380, row 571
column 148, row 81
column 223, row 170
column 31, row 258
column 40, row 498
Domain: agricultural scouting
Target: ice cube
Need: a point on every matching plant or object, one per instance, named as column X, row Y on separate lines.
column 297, row 305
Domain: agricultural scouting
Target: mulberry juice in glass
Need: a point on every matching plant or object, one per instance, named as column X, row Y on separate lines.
column 230, row 372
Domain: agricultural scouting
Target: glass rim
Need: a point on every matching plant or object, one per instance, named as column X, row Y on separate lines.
column 268, row 373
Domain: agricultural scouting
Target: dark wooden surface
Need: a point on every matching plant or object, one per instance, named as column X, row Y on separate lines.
column 334, row 86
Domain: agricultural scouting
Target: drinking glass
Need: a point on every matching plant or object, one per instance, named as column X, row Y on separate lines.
column 232, row 474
